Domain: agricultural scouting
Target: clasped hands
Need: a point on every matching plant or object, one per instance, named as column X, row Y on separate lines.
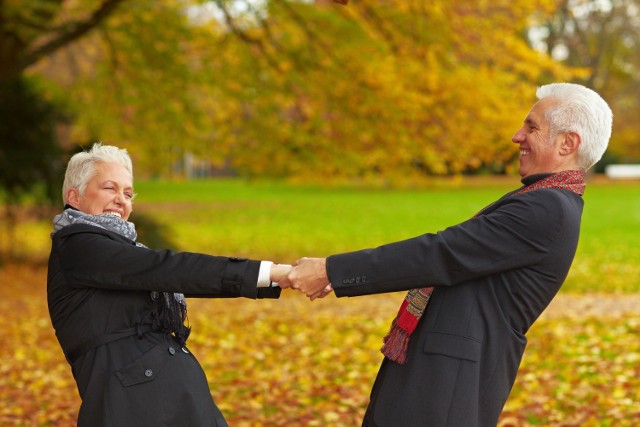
column 308, row 275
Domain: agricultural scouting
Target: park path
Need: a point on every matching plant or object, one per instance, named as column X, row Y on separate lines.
column 593, row 305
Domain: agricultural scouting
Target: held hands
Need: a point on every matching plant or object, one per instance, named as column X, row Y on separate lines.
column 309, row 276
column 279, row 273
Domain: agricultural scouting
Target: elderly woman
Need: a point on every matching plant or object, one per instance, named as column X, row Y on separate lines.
column 118, row 307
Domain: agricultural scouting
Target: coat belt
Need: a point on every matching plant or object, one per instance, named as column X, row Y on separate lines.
column 100, row 340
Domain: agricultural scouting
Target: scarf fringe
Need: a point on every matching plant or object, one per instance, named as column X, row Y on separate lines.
column 170, row 314
column 396, row 343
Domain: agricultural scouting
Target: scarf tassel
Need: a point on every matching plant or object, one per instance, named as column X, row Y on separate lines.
column 396, row 343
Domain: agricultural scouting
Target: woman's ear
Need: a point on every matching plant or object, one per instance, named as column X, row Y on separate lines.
column 73, row 197
column 570, row 143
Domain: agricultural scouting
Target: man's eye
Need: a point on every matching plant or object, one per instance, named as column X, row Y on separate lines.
column 128, row 195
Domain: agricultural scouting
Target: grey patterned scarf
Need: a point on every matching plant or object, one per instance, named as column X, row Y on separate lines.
column 170, row 310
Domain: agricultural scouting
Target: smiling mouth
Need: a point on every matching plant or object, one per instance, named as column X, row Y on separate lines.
column 524, row 153
column 115, row 214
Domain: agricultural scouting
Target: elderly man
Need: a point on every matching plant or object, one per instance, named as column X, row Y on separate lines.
column 475, row 289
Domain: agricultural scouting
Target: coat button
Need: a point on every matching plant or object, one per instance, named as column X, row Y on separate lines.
column 148, row 373
column 184, row 349
column 172, row 351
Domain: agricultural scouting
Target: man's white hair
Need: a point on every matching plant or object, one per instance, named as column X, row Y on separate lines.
column 583, row 111
column 82, row 166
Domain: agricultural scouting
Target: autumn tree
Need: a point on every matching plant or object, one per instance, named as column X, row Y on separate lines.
column 379, row 91
column 36, row 109
column 29, row 32
column 602, row 37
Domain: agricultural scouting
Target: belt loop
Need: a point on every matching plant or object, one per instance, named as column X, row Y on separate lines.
column 139, row 330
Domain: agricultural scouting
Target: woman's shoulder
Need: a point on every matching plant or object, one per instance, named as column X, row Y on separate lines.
column 88, row 230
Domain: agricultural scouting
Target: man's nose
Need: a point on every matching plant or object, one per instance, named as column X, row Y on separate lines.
column 518, row 137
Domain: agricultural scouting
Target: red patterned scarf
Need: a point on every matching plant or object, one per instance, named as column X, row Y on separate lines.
column 415, row 303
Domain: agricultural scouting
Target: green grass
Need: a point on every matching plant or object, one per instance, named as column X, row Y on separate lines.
column 608, row 257
column 281, row 222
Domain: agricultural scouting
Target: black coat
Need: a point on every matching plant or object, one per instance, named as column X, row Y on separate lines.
column 494, row 275
column 99, row 287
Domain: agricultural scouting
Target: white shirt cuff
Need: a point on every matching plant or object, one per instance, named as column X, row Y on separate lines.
column 264, row 275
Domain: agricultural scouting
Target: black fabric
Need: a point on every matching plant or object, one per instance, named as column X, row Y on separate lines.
column 170, row 309
column 98, row 340
column 494, row 275
column 98, row 284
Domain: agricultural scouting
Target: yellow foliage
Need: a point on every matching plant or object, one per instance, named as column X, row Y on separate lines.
column 374, row 91
column 407, row 87
column 290, row 362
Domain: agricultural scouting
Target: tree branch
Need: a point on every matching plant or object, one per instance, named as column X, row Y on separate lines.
column 69, row 33
column 246, row 38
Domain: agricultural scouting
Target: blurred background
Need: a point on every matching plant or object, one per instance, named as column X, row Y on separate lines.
column 377, row 91
column 279, row 128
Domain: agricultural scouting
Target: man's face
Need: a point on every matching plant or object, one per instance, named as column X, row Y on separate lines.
column 539, row 153
column 110, row 191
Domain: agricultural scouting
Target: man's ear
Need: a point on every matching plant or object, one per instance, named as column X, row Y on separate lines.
column 73, row 197
column 570, row 143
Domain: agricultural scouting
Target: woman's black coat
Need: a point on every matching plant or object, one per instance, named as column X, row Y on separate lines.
column 99, row 285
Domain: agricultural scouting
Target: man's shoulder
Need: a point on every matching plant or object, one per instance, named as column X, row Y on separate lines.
column 550, row 197
column 543, row 204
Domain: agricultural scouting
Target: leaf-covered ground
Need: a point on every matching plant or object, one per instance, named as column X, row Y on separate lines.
column 295, row 363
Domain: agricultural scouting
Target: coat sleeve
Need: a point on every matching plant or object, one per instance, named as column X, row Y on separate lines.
column 90, row 257
column 517, row 234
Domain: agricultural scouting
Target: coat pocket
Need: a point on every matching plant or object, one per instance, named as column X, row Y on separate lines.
column 144, row 369
column 456, row 346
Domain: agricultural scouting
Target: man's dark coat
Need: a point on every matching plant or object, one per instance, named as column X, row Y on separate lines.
column 494, row 275
column 99, row 287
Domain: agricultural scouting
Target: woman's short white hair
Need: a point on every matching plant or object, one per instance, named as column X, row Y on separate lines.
column 583, row 111
column 82, row 166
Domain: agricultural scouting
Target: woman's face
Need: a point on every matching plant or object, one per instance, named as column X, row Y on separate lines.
column 110, row 191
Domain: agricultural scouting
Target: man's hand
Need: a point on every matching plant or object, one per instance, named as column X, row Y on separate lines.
column 309, row 276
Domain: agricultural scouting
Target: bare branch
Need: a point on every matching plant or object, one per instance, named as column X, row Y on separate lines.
column 69, row 33
column 245, row 37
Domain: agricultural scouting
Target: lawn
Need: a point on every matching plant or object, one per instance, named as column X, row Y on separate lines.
column 295, row 363
column 281, row 222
